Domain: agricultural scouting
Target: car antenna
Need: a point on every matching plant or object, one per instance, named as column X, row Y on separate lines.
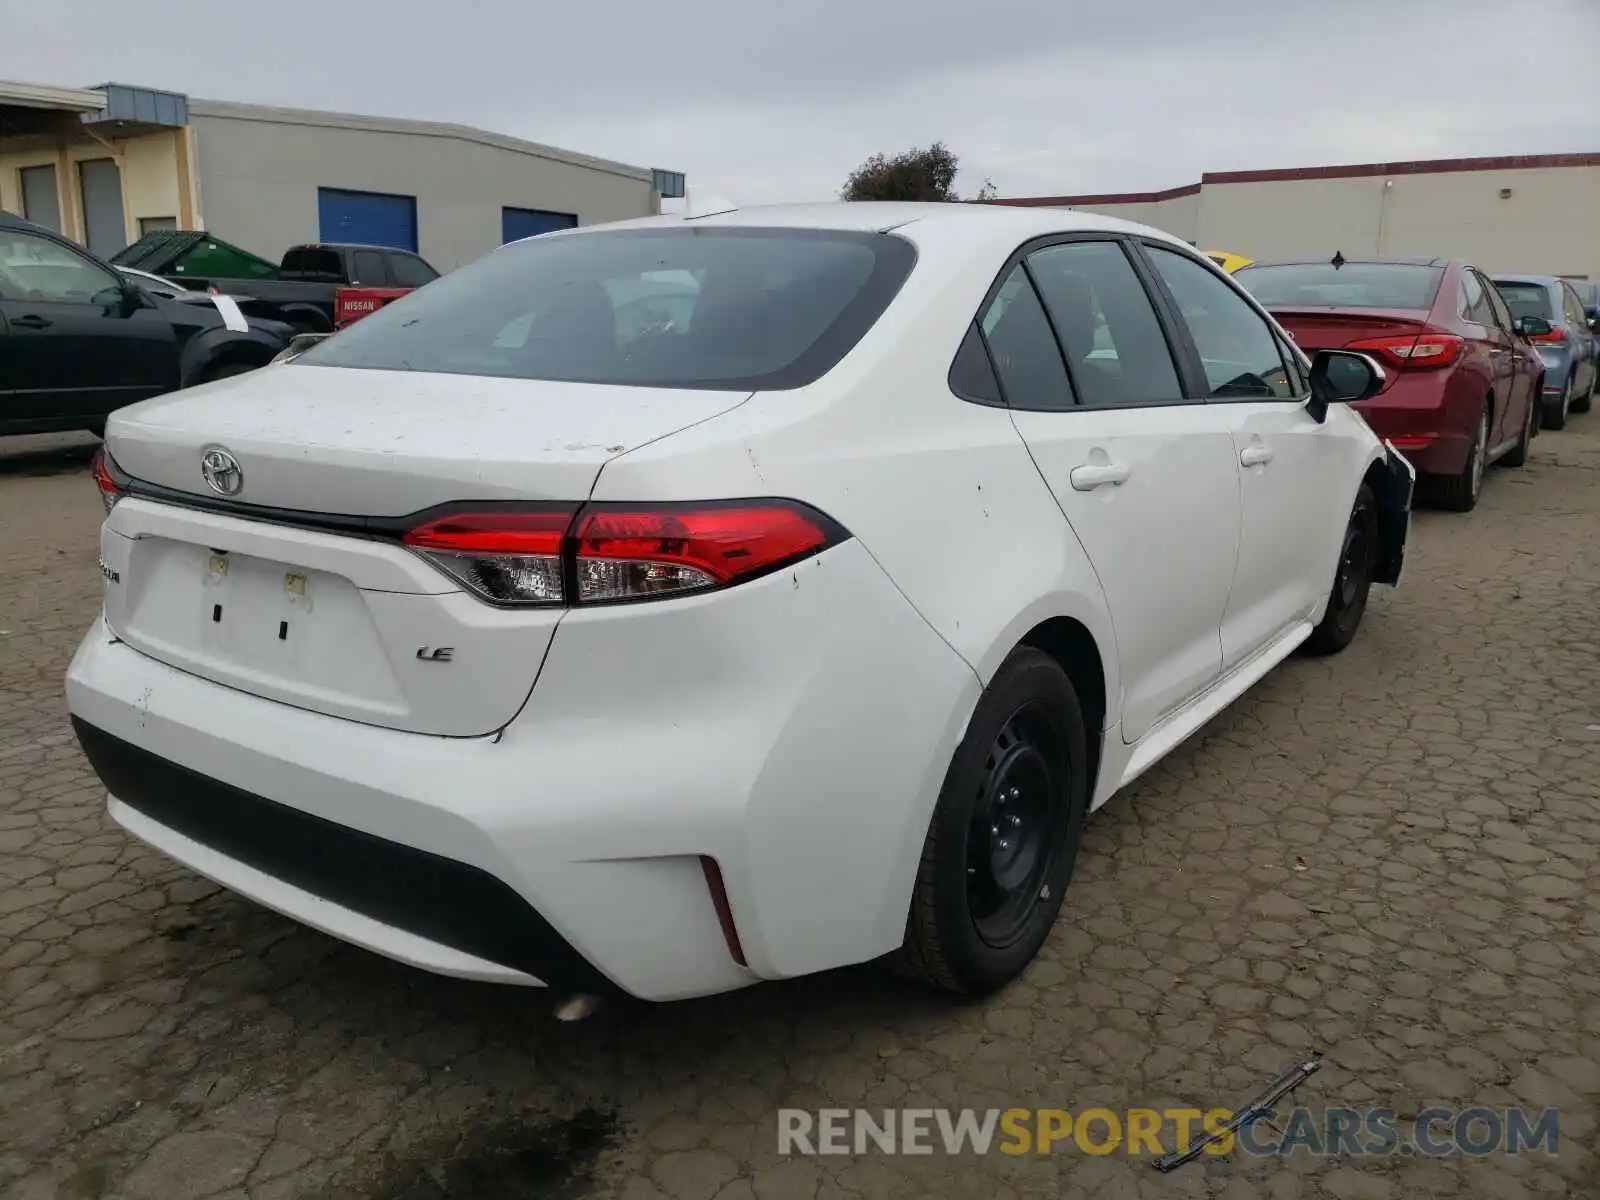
column 1337, row 260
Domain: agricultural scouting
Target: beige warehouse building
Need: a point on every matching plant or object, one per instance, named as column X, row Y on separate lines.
column 1538, row 214
column 105, row 165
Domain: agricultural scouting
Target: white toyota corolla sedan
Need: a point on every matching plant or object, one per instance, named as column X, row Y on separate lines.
column 676, row 604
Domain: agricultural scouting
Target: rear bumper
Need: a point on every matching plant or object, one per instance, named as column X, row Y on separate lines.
column 795, row 730
column 1558, row 364
column 1415, row 414
column 421, row 908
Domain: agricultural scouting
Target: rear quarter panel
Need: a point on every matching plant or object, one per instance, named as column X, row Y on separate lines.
column 942, row 492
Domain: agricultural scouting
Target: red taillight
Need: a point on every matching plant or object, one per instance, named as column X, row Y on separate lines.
column 105, row 479
column 607, row 553
column 635, row 553
column 505, row 556
column 1411, row 352
column 1555, row 335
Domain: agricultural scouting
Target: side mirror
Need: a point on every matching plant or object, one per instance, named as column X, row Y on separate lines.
column 1594, row 324
column 1342, row 377
column 1533, row 326
column 134, row 297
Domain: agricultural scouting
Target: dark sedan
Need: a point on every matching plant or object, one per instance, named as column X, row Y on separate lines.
column 78, row 339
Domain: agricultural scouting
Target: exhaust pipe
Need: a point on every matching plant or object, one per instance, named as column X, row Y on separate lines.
column 576, row 1008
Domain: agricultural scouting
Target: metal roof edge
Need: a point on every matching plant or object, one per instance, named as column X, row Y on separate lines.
column 272, row 114
column 40, row 95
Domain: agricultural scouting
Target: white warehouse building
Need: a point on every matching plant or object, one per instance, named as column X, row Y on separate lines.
column 105, row 165
column 1536, row 214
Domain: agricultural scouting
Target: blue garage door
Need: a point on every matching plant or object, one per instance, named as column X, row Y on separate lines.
column 518, row 223
column 367, row 218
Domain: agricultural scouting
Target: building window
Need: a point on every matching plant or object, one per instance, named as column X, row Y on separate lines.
column 153, row 224
column 40, row 202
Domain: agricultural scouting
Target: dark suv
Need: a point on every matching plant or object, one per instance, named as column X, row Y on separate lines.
column 78, row 339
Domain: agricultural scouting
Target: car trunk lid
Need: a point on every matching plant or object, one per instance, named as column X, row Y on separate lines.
column 1316, row 329
column 296, row 588
column 367, row 443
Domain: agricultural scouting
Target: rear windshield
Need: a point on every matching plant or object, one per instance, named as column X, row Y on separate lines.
column 1354, row 285
column 312, row 260
column 1527, row 299
column 717, row 308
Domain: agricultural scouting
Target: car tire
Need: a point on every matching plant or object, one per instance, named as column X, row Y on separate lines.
column 1555, row 416
column 1000, row 849
column 1460, row 493
column 1582, row 404
column 1352, row 580
column 1517, row 456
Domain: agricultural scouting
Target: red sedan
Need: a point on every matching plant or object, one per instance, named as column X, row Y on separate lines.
column 1464, row 380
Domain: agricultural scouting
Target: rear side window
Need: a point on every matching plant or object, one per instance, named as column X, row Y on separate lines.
column 1115, row 349
column 367, row 269
column 971, row 374
column 1026, row 356
column 1502, row 314
column 711, row 308
column 313, row 260
column 1353, row 285
column 1527, row 299
column 1475, row 305
column 1574, row 306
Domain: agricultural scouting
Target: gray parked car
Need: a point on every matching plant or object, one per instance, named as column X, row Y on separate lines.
column 1568, row 350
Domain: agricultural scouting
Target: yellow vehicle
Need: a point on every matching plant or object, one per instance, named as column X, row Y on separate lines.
column 1228, row 262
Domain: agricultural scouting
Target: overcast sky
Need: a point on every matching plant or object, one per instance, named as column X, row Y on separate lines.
column 778, row 101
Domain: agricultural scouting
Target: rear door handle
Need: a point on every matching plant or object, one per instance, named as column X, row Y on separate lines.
column 1092, row 475
column 1255, row 456
column 32, row 321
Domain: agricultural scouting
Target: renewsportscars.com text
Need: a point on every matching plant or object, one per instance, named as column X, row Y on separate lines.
column 1435, row 1132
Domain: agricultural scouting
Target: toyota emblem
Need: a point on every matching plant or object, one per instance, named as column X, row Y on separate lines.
column 221, row 471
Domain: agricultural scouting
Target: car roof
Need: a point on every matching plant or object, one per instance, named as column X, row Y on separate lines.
column 1360, row 259
column 1545, row 280
column 1022, row 221
column 10, row 220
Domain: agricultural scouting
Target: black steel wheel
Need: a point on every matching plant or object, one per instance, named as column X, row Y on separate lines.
column 1017, row 824
column 1000, row 849
column 1352, row 580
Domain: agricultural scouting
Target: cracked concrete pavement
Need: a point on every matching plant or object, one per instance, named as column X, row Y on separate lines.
column 1392, row 856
